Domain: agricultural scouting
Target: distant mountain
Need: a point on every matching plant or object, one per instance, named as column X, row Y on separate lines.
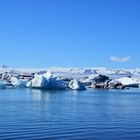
column 5, row 67
column 74, row 71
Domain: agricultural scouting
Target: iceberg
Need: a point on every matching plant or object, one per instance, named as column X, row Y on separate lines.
column 39, row 81
column 114, row 84
column 127, row 81
column 29, row 84
column 46, row 81
column 2, row 84
column 76, row 85
column 18, row 82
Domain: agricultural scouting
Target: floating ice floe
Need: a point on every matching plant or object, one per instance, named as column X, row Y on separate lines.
column 46, row 81
column 76, row 85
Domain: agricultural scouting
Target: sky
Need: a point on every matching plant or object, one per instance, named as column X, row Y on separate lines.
column 70, row 33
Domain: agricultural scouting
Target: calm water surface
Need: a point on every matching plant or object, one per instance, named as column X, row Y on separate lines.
column 70, row 115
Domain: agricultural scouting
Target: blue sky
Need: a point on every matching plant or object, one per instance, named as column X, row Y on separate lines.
column 70, row 33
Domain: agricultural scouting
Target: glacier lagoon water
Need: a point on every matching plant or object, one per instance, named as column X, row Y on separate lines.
column 72, row 115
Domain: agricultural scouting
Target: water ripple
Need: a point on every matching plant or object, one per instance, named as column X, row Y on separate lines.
column 109, row 115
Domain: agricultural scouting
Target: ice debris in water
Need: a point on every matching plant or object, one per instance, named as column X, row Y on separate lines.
column 76, row 85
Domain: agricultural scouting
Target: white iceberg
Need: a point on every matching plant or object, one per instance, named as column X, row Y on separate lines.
column 76, row 85
column 39, row 81
column 46, row 81
column 128, row 81
column 18, row 82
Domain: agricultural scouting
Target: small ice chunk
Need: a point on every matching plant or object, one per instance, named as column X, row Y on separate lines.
column 76, row 85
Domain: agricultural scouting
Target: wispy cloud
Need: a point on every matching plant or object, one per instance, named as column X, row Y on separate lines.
column 120, row 59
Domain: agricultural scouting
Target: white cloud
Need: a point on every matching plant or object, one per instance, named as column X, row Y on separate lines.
column 120, row 59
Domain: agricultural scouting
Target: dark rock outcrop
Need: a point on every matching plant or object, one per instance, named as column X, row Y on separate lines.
column 104, row 82
column 101, row 79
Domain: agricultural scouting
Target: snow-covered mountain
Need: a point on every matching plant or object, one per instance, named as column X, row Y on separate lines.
column 72, row 72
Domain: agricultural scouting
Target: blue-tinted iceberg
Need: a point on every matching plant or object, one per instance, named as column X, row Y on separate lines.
column 3, row 84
